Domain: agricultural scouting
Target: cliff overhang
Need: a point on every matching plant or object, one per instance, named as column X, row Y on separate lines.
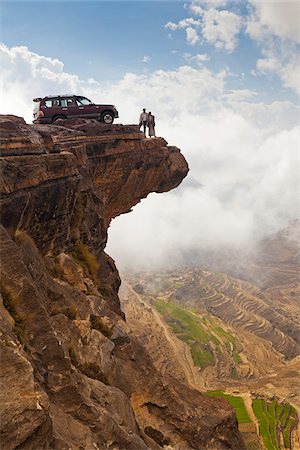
column 72, row 374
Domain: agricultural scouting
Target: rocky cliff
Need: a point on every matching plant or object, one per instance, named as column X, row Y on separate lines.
column 72, row 376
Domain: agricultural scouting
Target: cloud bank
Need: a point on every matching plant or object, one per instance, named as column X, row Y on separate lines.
column 243, row 155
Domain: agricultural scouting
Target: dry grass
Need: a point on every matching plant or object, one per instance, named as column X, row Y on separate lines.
column 71, row 312
column 85, row 257
column 58, row 271
column 10, row 304
column 21, row 237
column 99, row 324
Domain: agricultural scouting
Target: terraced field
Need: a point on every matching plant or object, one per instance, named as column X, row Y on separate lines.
column 236, row 402
column 224, row 304
column 241, row 305
column 276, row 422
column 208, row 342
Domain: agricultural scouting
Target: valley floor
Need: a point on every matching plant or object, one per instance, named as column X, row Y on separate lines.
column 235, row 350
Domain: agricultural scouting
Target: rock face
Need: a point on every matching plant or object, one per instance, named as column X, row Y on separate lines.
column 72, row 376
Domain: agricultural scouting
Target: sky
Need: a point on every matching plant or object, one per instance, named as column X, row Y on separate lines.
column 223, row 80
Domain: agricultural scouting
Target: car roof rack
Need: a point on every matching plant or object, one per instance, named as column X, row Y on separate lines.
column 60, row 95
column 38, row 99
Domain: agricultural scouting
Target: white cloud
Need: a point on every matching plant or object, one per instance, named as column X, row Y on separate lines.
column 248, row 188
column 215, row 3
column 239, row 95
column 267, row 64
column 242, row 155
column 196, row 9
column 290, row 74
column 146, row 59
column 221, row 28
column 284, row 62
column 25, row 75
column 192, row 36
column 184, row 23
column 199, row 59
column 208, row 3
column 279, row 18
column 171, row 25
column 275, row 26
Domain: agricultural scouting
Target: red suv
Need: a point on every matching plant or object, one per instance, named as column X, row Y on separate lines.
column 53, row 107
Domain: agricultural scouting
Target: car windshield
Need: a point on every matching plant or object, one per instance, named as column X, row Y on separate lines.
column 83, row 101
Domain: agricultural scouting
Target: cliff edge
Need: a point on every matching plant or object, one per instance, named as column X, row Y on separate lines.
column 72, row 376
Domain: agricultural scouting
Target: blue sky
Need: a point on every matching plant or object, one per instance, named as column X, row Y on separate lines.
column 222, row 78
column 95, row 39
column 106, row 39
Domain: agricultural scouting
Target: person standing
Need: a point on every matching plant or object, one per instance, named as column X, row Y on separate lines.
column 151, row 124
column 143, row 120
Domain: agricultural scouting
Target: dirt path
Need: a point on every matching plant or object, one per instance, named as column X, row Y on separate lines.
column 182, row 357
column 248, row 404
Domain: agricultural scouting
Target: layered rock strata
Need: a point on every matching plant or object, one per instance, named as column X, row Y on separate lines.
column 72, row 376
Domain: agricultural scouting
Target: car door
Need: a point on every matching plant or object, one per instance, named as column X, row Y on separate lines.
column 64, row 106
column 83, row 112
column 86, row 107
column 73, row 109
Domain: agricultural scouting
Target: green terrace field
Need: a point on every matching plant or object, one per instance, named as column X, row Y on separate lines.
column 206, row 339
column 276, row 421
column 246, row 426
column 236, row 402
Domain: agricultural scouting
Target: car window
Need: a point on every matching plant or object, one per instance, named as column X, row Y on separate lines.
column 51, row 103
column 71, row 102
column 83, row 101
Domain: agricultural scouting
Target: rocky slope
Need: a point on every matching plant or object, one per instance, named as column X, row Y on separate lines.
column 72, row 377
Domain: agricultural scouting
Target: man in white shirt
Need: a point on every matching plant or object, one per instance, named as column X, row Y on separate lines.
column 143, row 119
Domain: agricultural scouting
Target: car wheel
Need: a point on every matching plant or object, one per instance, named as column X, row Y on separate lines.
column 107, row 117
column 55, row 118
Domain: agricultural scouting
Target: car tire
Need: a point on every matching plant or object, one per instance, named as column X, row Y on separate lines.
column 107, row 117
column 55, row 118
